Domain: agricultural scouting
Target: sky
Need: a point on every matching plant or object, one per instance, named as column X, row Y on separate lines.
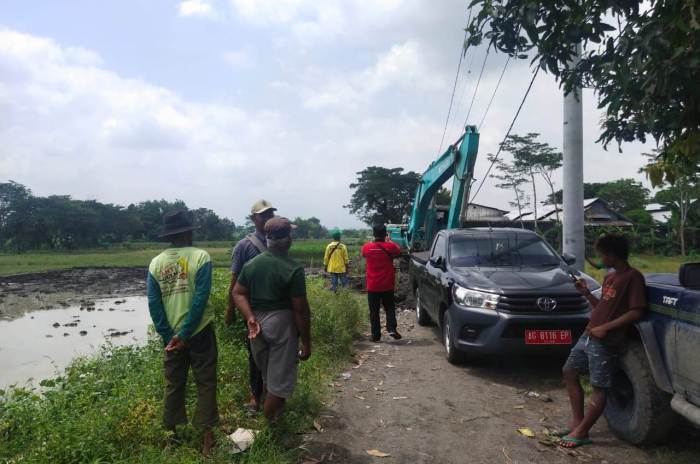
column 223, row 102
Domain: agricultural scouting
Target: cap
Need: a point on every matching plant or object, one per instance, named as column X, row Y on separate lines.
column 278, row 227
column 261, row 206
column 335, row 234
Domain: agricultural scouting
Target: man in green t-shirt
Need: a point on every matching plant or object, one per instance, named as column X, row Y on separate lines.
column 179, row 282
column 271, row 296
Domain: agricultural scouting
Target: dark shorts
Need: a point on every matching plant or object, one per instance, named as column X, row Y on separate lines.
column 590, row 356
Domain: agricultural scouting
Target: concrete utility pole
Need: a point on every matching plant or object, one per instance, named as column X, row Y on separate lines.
column 574, row 239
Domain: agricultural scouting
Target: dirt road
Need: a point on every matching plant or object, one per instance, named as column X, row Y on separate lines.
column 403, row 398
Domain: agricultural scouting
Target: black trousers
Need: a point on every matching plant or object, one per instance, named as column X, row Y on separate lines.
column 200, row 354
column 254, row 374
column 375, row 299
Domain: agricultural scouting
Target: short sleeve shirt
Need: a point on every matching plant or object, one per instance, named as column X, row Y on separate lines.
column 622, row 291
column 380, row 265
column 244, row 251
column 272, row 281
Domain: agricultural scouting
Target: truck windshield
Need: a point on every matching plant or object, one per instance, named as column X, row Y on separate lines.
column 501, row 250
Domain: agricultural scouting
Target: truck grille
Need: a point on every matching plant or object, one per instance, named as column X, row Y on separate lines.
column 570, row 303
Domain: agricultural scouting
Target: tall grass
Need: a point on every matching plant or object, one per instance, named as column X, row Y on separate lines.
column 108, row 408
column 139, row 254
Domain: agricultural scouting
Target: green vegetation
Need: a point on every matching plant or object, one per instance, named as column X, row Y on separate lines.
column 648, row 264
column 309, row 252
column 108, row 408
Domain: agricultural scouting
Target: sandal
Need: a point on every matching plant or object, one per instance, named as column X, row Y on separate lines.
column 560, row 433
column 573, row 442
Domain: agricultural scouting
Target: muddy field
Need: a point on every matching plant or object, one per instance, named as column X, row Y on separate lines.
column 55, row 289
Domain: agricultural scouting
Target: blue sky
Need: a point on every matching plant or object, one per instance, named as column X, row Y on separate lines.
column 222, row 102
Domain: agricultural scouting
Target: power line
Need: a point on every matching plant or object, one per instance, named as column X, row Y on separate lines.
column 463, row 92
column 500, row 146
column 454, row 87
column 493, row 95
column 478, row 81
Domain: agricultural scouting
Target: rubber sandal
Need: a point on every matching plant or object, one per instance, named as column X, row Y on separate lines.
column 572, row 442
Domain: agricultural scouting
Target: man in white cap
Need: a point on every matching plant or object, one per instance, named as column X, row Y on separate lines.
column 246, row 249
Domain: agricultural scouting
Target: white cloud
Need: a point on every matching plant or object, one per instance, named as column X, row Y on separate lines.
column 196, row 8
column 237, row 59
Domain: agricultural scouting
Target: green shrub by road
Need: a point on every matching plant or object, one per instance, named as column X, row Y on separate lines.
column 108, row 408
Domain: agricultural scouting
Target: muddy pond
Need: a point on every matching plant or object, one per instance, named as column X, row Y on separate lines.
column 41, row 343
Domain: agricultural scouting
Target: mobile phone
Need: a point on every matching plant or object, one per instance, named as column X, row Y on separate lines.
column 574, row 279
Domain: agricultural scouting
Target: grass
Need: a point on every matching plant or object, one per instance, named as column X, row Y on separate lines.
column 108, row 408
column 647, row 264
column 310, row 252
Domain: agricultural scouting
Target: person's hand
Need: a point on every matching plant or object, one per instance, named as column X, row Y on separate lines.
column 254, row 328
column 230, row 315
column 598, row 332
column 305, row 351
column 175, row 344
column 581, row 286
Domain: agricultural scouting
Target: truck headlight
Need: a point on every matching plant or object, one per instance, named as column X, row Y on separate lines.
column 474, row 298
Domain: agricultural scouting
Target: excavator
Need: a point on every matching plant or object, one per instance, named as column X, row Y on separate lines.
column 427, row 218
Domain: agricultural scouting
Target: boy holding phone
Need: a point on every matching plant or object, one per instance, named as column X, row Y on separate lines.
column 622, row 302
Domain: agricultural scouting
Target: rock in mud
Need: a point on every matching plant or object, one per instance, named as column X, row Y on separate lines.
column 83, row 332
column 56, row 324
column 65, row 334
column 71, row 324
column 48, row 336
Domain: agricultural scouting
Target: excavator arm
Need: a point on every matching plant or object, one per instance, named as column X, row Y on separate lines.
column 457, row 162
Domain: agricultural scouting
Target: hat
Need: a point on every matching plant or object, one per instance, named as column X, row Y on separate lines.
column 278, row 227
column 335, row 234
column 175, row 222
column 261, row 206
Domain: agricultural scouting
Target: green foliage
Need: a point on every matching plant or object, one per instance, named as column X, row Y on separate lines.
column 624, row 195
column 59, row 222
column 443, row 197
column 309, row 228
column 641, row 58
column 382, row 194
column 108, row 408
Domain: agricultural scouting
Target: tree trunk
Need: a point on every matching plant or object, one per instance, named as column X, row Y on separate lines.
column 534, row 198
column 520, row 208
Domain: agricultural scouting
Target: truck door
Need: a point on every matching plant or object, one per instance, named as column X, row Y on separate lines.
column 687, row 364
column 432, row 286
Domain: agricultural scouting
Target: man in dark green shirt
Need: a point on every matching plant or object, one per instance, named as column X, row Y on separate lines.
column 271, row 295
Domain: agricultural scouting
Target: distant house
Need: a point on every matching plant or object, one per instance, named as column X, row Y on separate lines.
column 659, row 212
column 482, row 213
column 596, row 212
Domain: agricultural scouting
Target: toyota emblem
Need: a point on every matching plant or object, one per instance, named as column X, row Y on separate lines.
column 546, row 303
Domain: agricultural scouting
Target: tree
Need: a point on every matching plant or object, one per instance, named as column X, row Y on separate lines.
column 534, row 158
column 511, row 178
column 641, row 58
column 383, row 194
column 624, row 195
column 443, row 197
column 680, row 198
column 309, row 228
column 590, row 190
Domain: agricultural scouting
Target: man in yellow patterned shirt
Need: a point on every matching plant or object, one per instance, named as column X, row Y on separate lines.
column 336, row 261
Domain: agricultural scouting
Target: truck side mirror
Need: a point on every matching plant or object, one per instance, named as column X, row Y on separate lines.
column 568, row 258
column 436, row 261
column 689, row 275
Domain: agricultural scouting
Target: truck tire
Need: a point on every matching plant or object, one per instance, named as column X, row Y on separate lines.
column 422, row 316
column 637, row 410
column 452, row 353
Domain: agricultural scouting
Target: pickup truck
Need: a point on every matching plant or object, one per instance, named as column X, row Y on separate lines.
column 658, row 376
column 498, row 291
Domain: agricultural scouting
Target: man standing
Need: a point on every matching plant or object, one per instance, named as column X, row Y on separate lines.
column 336, row 261
column 623, row 301
column 271, row 296
column 247, row 249
column 381, row 279
column 179, row 282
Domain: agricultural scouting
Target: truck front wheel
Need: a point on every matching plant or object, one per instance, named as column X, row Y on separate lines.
column 452, row 353
column 637, row 410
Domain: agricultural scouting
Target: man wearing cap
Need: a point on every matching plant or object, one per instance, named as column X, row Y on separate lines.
column 245, row 250
column 381, row 280
column 336, row 261
column 179, row 282
column 270, row 294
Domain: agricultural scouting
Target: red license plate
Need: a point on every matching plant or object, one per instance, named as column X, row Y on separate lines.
column 547, row 337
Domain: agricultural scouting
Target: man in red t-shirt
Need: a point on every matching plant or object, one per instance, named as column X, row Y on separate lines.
column 622, row 302
column 379, row 256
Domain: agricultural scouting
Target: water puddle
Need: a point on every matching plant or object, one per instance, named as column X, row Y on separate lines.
column 41, row 344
